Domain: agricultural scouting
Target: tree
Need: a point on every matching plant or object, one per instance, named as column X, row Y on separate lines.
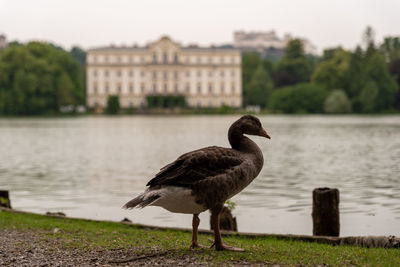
column 391, row 49
column 113, row 105
column 259, row 88
column 300, row 98
column 395, row 71
column 357, row 74
column 337, row 102
column 368, row 97
column 250, row 62
column 377, row 72
column 37, row 78
column 334, row 71
column 294, row 67
column 256, row 78
column 369, row 41
column 79, row 55
column 329, row 53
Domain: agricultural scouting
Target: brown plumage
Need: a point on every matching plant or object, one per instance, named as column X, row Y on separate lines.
column 205, row 178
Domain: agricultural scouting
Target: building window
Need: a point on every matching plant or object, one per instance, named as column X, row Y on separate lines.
column 106, row 73
column 118, row 59
column 142, row 87
column 142, row 59
column 210, row 60
column 131, row 59
column 165, row 87
column 199, row 60
column 188, row 74
column 222, row 59
column 165, row 75
column 95, row 73
column 95, row 59
column 130, row 88
column 130, row 73
column 154, row 58
column 233, row 73
column 119, row 73
column 187, row 87
column 222, row 88
column 176, row 58
column 176, row 75
column 209, row 104
column 232, row 60
column 130, row 104
column 119, row 88
column 210, row 74
column 154, row 74
column 199, row 73
column 95, row 88
column 165, row 58
column 107, row 88
column 210, row 89
column 154, row 88
column 106, row 58
column 176, row 88
column 199, row 88
column 142, row 73
column 222, row 73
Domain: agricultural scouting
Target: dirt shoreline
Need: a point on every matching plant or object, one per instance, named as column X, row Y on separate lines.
column 31, row 248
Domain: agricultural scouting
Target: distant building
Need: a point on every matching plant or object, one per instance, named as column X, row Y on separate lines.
column 267, row 42
column 3, row 41
column 207, row 77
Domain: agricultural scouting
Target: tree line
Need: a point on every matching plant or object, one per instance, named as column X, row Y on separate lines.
column 40, row 78
column 365, row 80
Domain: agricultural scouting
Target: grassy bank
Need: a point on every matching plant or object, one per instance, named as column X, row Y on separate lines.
column 72, row 234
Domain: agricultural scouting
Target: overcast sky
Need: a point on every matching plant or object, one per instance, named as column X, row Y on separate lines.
column 90, row 23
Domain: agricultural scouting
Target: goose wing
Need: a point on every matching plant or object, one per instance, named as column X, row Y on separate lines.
column 197, row 165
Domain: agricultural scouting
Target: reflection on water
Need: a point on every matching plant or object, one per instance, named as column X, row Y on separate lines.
column 90, row 166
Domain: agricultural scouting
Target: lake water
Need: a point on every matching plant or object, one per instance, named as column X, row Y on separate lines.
column 90, row 166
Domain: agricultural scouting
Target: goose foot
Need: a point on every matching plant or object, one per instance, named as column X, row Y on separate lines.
column 226, row 247
column 195, row 245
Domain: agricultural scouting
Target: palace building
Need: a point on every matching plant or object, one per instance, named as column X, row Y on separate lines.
column 206, row 77
column 262, row 41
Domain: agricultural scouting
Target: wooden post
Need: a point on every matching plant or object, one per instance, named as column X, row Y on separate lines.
column 325, row 212
column 5, row 199
column 226, row 220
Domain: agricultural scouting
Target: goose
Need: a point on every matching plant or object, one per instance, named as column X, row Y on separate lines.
column 204, row 179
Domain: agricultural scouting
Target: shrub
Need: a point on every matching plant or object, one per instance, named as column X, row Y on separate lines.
column 300, row 98
column 337, row 102
column 113, row 104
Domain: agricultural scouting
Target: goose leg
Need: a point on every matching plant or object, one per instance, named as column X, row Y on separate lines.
column 195, row 225
column 217, row 234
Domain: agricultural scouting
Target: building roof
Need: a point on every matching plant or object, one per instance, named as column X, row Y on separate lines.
column 190, row 48
column 144, row 49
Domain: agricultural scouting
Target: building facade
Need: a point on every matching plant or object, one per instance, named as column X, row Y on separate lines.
column 207, row 77
column 259, row 41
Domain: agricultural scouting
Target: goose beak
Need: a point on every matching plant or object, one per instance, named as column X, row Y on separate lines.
column 264, row 133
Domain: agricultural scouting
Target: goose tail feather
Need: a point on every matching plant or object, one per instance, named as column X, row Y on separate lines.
column 141, row 201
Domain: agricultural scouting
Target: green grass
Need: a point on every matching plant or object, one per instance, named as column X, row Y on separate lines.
column 88, row 235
